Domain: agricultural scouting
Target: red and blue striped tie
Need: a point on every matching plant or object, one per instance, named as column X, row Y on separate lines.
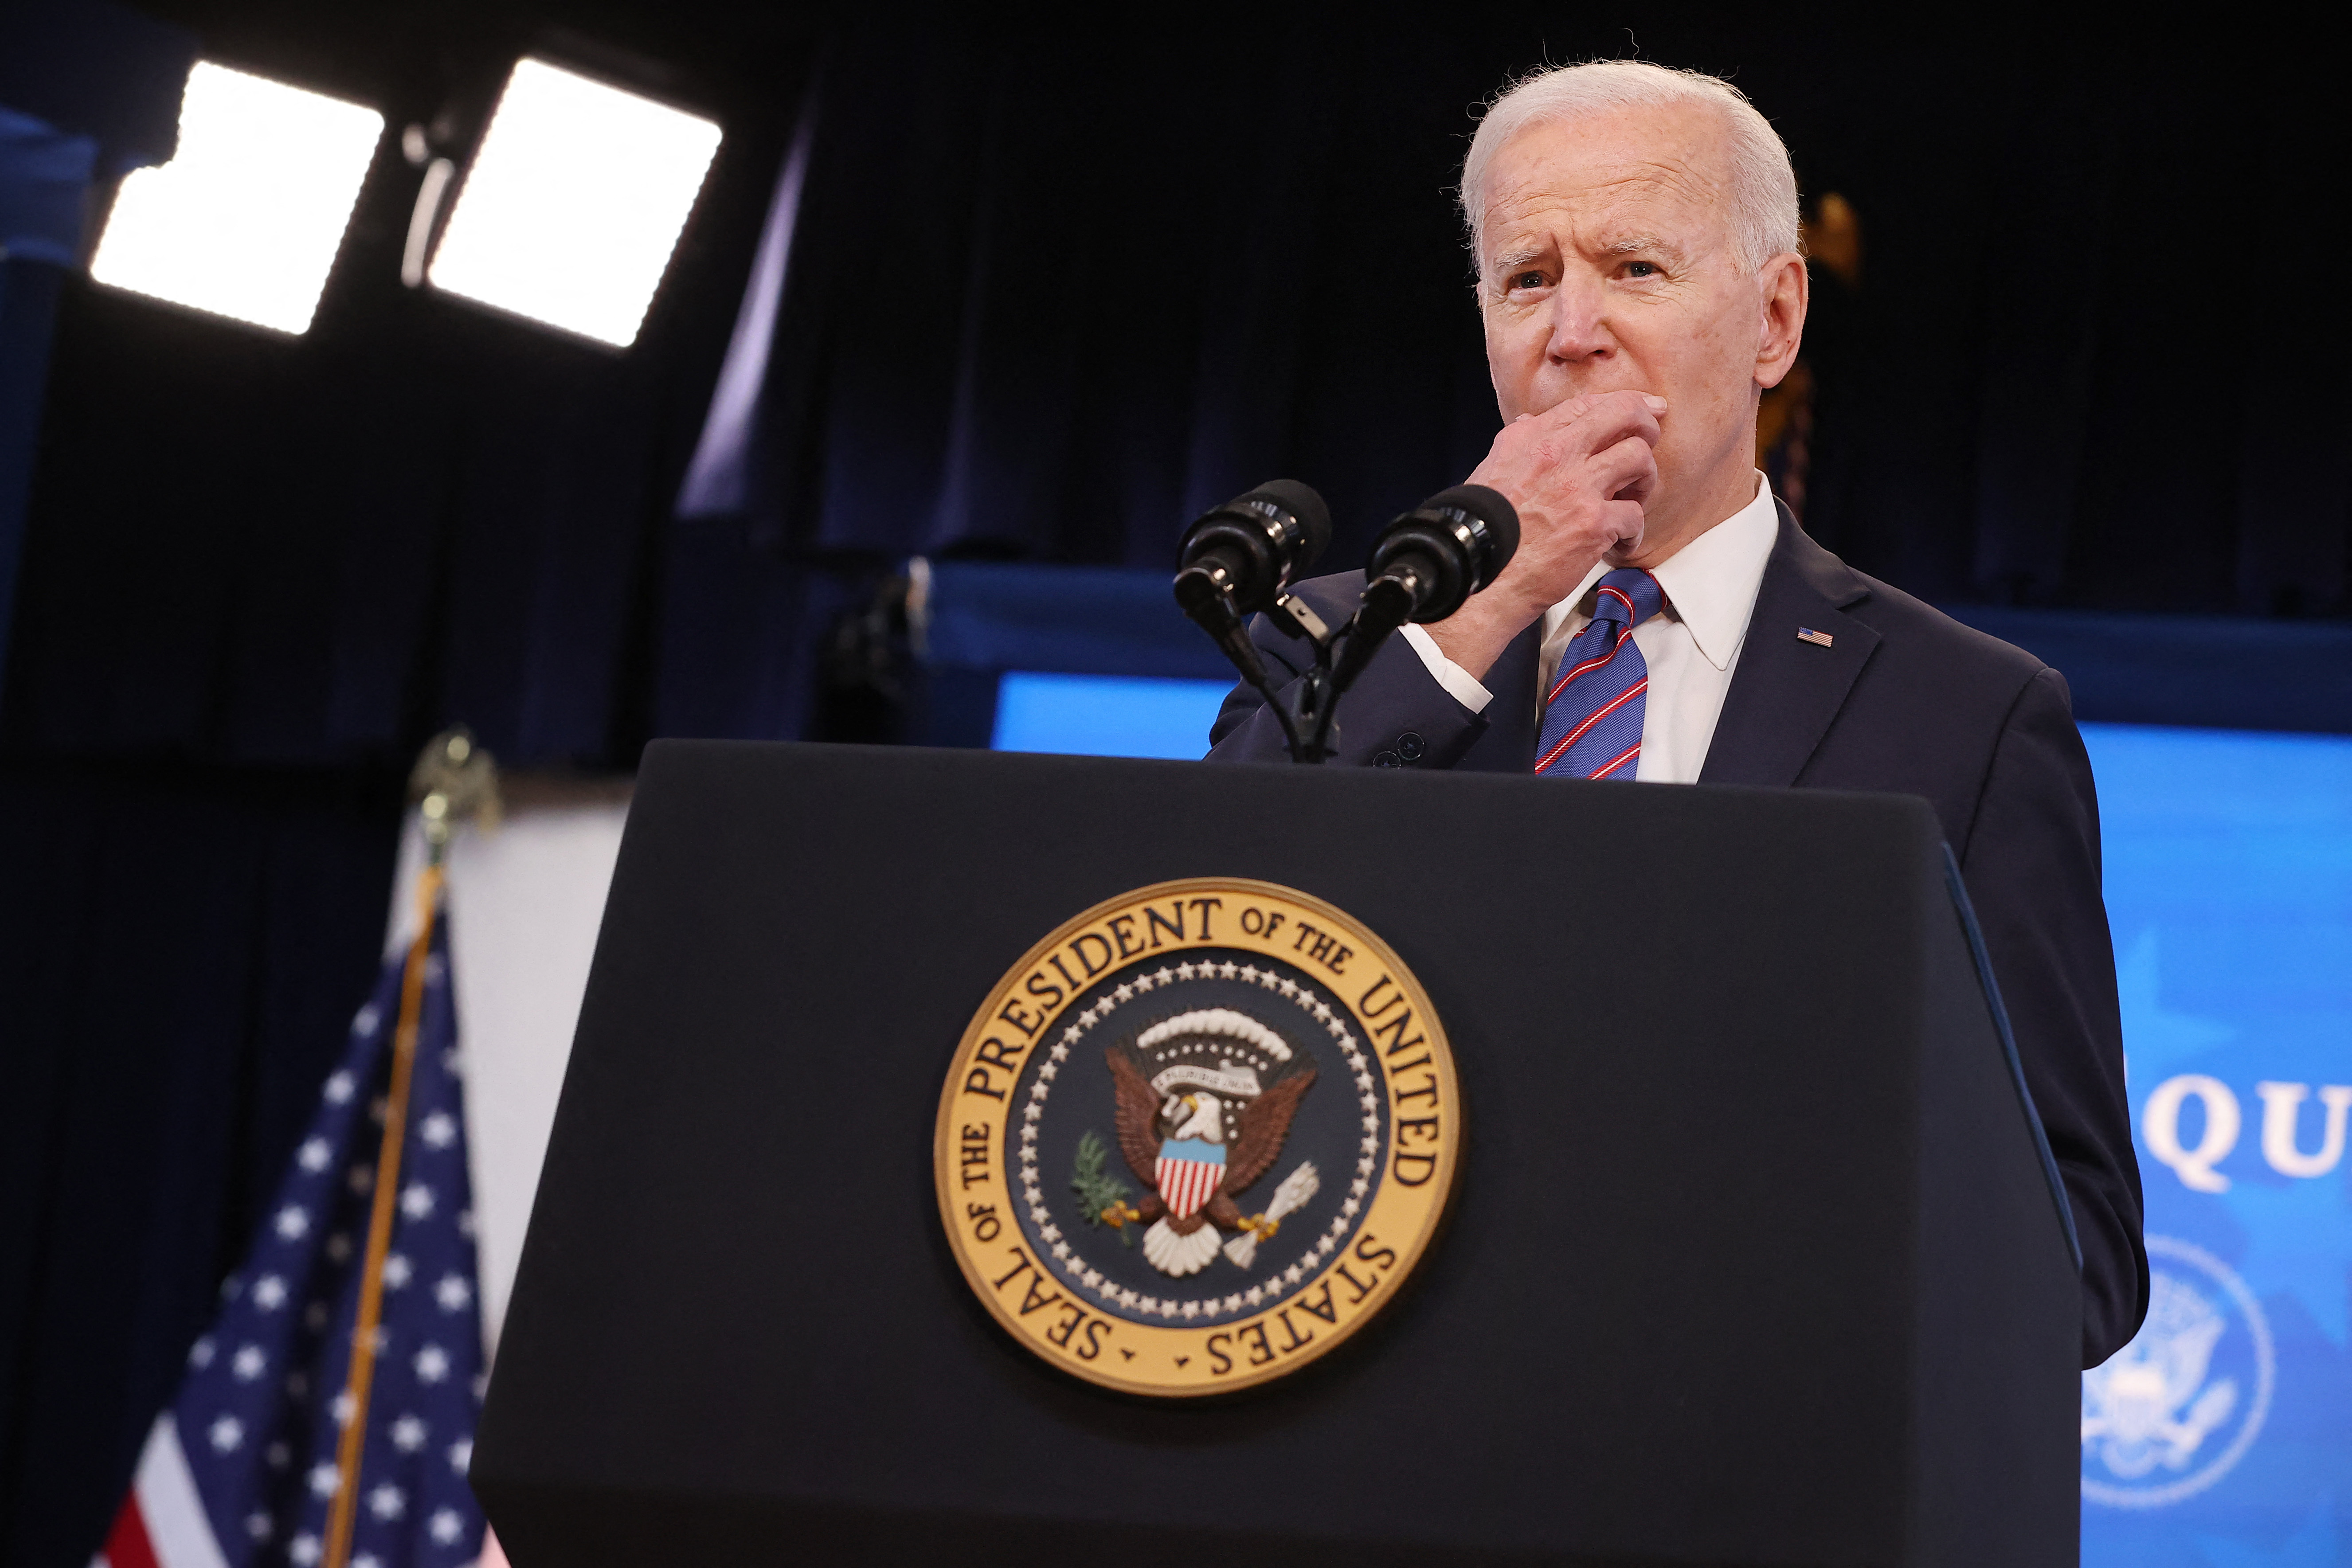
column 1592, row 714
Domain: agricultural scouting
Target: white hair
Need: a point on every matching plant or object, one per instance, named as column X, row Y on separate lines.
column 1763, row 182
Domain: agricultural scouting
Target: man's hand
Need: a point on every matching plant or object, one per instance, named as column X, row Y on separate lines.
column 1578, row 474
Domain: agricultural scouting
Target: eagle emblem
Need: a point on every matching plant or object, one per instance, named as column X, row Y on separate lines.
column 2153, row 1403
column 1204, row 1101
column 2170, row 1413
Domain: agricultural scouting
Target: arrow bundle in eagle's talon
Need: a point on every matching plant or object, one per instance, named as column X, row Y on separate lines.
column 1295, row 1189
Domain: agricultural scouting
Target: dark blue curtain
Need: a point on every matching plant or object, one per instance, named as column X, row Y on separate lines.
column 1049, row 299
column 180, row 951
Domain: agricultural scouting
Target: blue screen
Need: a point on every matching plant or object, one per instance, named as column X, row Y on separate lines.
column 1105, row 715
column 2221, row 1436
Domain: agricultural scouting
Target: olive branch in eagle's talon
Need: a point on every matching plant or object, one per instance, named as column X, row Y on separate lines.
column 1102, row 1197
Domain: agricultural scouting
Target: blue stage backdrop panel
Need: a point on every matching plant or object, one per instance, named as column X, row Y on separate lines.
column 1105, row 715
column 2221, row 1436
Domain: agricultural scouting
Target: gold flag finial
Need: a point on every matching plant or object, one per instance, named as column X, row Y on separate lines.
column 455, row 778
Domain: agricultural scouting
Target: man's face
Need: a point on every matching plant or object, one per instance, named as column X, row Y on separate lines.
column 1606, row 264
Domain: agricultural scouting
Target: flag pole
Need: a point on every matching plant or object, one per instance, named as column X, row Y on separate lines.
column 453, row 779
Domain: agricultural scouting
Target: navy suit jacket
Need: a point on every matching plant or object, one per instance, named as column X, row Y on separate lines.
column 1905, row 700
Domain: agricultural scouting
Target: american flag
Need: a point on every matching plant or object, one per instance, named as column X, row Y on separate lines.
column 242, row 1470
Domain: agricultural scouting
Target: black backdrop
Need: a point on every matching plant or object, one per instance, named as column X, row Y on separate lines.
column 1055, row 288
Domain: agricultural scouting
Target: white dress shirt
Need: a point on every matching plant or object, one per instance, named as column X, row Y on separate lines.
column 1692, row 645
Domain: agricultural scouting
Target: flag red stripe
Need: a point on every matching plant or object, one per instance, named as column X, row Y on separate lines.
column 127, row 1545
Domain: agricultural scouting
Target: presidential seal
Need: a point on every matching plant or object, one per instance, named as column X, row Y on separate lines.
column 1197, row 1137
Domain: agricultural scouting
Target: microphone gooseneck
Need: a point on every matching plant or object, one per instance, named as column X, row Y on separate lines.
column 1236, row 560
column 1240, row 559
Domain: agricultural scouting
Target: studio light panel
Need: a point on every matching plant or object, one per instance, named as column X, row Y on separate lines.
column 247, row 218
column 574, row 201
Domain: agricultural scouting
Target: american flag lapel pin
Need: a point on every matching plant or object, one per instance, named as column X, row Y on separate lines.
column 1818, row 640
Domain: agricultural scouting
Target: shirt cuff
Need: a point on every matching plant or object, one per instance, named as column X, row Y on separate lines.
column 1456, row 681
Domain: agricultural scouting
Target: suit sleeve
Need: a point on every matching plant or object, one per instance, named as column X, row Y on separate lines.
column 1395, row 697
column 2033, row 872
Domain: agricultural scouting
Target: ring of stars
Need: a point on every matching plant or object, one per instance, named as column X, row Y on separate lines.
column 1257, row 1294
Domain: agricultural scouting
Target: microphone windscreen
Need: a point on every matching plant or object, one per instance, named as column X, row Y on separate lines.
column 1301, row 502
column 1492, row 508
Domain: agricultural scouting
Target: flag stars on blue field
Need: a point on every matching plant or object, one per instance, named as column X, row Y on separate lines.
column 266, row 1407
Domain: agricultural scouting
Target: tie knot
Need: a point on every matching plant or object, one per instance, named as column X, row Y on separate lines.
column 1628, row 596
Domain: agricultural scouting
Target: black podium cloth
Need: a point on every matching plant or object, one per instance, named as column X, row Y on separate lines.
column 1754, row 1259
column 1905, row 700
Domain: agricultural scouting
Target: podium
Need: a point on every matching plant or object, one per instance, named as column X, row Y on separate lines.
column 1756, row 1257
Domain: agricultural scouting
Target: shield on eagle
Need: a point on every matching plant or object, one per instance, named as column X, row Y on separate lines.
column 1188, row 1172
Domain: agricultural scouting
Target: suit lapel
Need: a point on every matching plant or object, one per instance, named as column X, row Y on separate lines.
column 1785, row 693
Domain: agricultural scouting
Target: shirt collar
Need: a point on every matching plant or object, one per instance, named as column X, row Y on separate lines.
column 1710, row 582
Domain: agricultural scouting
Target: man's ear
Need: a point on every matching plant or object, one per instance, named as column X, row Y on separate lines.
column 1786, row 288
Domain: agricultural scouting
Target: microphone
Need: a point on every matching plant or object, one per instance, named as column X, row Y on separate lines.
column 1426, row 563
column 1250, row 548
column 1433, row 557
column 1236, row 560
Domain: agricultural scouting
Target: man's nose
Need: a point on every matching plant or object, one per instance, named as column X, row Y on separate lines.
column 1580, row 335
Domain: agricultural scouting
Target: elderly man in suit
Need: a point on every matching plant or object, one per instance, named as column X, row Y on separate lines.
column 1665, row 619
